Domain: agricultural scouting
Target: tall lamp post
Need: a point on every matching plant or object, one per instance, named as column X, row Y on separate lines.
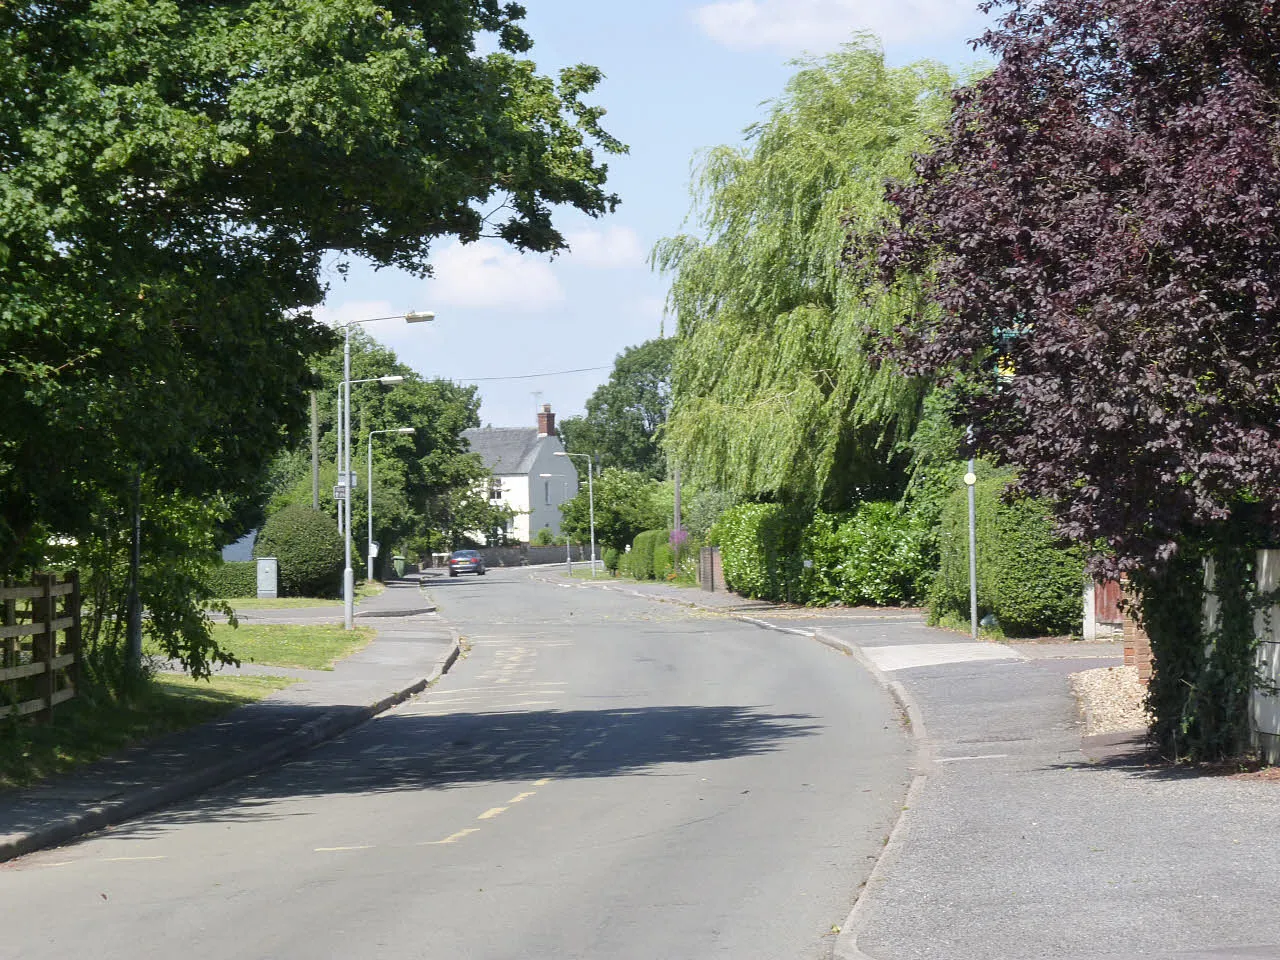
column 344, row 456
column 369, row 487
column 591, row 503
column 392, row 378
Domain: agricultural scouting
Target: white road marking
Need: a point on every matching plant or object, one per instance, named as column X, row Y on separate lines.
column 983, row 756
column 129, row 859
column 336, row 849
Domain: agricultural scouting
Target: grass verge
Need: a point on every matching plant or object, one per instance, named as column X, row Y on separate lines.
column 309, row 647
column 87, row 729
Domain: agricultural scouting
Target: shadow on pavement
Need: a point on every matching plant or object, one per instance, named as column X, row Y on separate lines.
column 409, row 753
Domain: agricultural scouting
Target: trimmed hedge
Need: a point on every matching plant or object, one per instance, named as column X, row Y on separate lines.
column 309, row 549
column 876, row 555
column 664, row 559
column 760, row 545
column 1029, row 579
column 611, row 559
column 642, row 551
column 233, row 580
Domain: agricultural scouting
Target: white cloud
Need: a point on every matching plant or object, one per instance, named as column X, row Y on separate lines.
column 487, row 274
column 608, row 249
column 793, row 26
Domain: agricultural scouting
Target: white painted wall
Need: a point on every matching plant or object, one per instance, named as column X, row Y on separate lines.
column 1264, row 706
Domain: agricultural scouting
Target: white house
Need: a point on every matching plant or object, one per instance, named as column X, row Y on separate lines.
column 518, row 458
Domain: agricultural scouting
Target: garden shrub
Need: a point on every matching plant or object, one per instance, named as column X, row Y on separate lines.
column 1027, row 577
column 308, row 548
column 611, row 558
column 760, row 546
column 233, row 580
column 664, row 560
column 642, row 553
column 875, row 555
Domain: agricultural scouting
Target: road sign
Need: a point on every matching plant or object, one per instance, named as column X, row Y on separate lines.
column 339, row 492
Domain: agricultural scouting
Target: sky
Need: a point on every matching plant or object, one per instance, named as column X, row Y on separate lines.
column 680, row 76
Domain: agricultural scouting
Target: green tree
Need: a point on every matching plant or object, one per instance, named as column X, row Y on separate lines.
column 625, row 413
column 173, row 177
column 626, row 503
column 776, row 393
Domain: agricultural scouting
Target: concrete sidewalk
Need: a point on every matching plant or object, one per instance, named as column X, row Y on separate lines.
column 411, row 649
column 1022, row 839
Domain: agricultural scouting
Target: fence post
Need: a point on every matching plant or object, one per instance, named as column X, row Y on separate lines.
column 73, row 635
column 49, row 608
column 9, row 658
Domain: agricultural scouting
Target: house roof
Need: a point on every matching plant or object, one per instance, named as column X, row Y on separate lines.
column 505, row 450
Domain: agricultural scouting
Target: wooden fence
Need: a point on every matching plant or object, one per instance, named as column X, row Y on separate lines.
column 39, row 644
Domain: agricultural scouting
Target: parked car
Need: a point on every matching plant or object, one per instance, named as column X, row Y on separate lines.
column 466, row 561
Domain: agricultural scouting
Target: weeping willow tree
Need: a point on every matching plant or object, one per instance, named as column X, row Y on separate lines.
column 776, row 394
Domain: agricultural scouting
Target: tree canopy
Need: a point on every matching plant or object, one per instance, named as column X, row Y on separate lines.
column 172, row 176
column 775, row 391
column 626, row 503
column 1101, row 222
column 625, row 413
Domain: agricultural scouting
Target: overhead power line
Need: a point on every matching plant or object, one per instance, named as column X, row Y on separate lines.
column 530, row 376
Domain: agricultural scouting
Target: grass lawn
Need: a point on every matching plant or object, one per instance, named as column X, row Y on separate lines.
column 363, row 589
column 84, row 730
column 310, row 647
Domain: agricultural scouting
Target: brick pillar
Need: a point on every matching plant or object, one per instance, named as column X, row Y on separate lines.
column 1137, row 645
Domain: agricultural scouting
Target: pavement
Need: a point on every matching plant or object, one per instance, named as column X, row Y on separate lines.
column 1021, row 838
column 412, row 649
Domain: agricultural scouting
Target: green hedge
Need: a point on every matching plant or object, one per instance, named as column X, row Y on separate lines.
column 760, row 545
column 309, row 549
column 664, row 559
column 875, row 555
column 611, row 559
column 642, row 551
column 234, row 580
column 1027, row 577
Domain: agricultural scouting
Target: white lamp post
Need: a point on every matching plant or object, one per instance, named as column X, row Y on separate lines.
column 591, row 503
column 344, row 456
column 369, row 485
column 391, row 378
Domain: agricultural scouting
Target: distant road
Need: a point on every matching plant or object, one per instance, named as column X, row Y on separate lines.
column 600, row 777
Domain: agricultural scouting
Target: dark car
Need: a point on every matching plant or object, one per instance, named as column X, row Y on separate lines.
column 465, row 561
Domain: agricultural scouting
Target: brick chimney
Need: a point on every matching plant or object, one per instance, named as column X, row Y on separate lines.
column 546, row 421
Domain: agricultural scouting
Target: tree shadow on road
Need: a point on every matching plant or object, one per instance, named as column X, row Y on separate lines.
column 407, row 752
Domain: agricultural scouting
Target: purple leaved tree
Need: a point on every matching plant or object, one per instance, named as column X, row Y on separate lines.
column 1100, row 219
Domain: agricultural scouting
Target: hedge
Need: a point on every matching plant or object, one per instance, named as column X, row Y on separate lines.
column 611, row 559
column 308, row 548
column 875, row 555
column 760, row 545
column 1027, row 577
column 664, row 559
column 642, row 552
column 233, row 580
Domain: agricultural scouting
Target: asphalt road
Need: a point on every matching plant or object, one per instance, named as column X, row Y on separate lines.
column 599, row 777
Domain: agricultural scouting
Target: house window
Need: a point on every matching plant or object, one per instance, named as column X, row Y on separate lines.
column 546, row 489
column 495, row 489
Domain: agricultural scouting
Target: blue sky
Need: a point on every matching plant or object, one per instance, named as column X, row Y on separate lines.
column 681, row 76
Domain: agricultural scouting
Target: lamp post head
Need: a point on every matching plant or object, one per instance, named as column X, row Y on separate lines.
column 419, row 316
column 406, row 429
column 561, row 453
column 394, row 378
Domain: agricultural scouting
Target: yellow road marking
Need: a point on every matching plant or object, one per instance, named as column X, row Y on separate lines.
column 452, row 838
column 542, row 783
column 491, row 813
column 522, row 796
column 334, row 849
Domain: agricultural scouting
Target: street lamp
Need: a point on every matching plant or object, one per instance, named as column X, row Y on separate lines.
column 568, row 547
column 345, row 481
column 591, row 503
column 369, row 485
column 344, row 455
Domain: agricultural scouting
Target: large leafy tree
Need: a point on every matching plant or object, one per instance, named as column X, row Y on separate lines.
column 171, row 177
column 1101, row 222
column 775, row 392
column 626, row 503
column 624, row 414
